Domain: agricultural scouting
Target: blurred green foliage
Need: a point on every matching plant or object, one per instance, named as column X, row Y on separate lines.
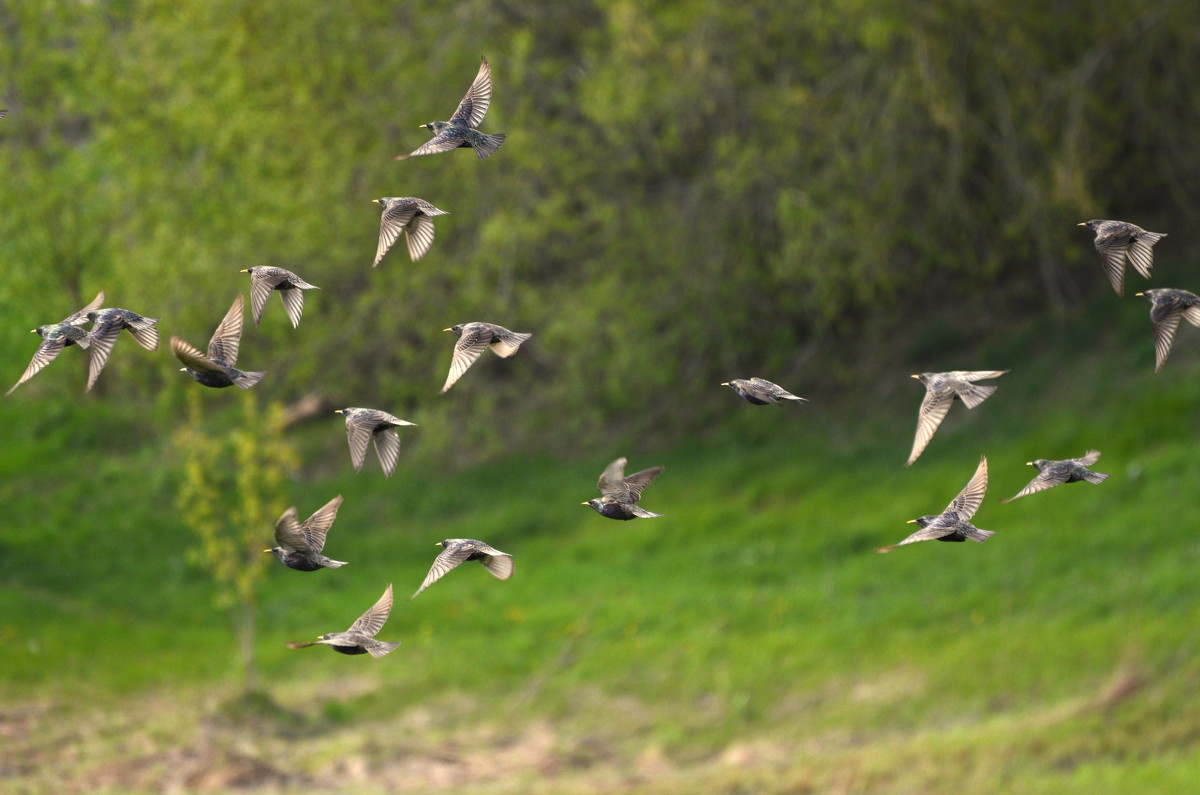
column 689, row 191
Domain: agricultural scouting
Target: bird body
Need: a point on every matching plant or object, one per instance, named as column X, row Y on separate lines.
column 941, row 390
column 1118, row 241
column 107, row 325
column 473, row 339
column 461, row 130
column 619, row 494
column 265, row 280
column 1167, row 306
column 1055, row 473
column 217, row 369
column 953, row 524
column 413, row 217
column 760, row 391
column 55, row 337
column 460, row 550
column 365, row 425
column 360, row 637
column 299, row 545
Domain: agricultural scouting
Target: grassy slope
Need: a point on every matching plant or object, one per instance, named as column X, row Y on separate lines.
column 750, row 639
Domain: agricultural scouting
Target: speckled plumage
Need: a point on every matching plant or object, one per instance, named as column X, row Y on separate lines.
column 1118, row 241
column 413, row 217
column 360, row 637
column 1055, row 473
column 55, row 337
column 217, row 369
column 363, row 425
column 760, row 391
column 1167, row 305
column 461, row 129
column 107, row 325
column 299, row 545
column 459, row 550
column 942, row 389
column 265, row 280
column 619, row 494
column 952, row 524
column 473, row 339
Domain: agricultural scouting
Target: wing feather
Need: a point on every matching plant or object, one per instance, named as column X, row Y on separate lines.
column 370, row 622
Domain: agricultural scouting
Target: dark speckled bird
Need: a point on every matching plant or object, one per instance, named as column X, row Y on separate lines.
column 1118, row 241
column 413, row 217
column 363, row 425
column 460, row 130
column 459, row 550
column 952, row 524
column 55, row 337
column 265, row 280
column 1167, row 305
column 107, row 325
column 217, row 368
column 1055, row 473
column 619, row 494
column 360, row 638
column 3, row 112
column 760, row 391
column 473, row 339
column 300, row 545
column 942, row 389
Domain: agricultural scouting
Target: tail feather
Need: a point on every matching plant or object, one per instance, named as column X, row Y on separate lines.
column 488, row 145
column 332, row 564
column 1096, row 477
column 247, row 380
column 378, row 648
column 642, row 513
column 976, row 534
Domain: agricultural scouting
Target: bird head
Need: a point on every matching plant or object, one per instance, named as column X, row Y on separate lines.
column 442, row 543
column 594, row 504
column 276, row 551
column 922, row 377
column 1092, row 224
column 382, row 202
column 1148, row 294
column 1037, row 463
column 924, row 521
column 436, row 126
column 456, row 329
column 247, row 270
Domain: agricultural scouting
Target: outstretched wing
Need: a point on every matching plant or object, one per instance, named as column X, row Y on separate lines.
column 638, row 481
column 46, row 353
column 475, row 104
column 373, row 620
column 612, row 481
column 391, row 224
column 387, row 447
column 442, row 142
column 964, row 506
column 469, row 347
column 419, row 236
column 358, row 434
column 446, row 560
column 192, row 357
column 1043, row 481
column 223, row 347
column 103, row 340
column 933, row 410
column 293, row 303
column 261, row 286
column 80, row 317
column 933, row 530
column 1165, row 325
column 317, row 526
column 289, row 535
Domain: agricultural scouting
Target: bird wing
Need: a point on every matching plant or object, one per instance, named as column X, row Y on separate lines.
column 1112, row 245
column 223, row 347
column 391, row 224
column 293, row 303
column 975, row 375
column 1087, row 459
column 499, row 564
column 387, row 447
column 80, row 317
column 972, row 394
column 289, row 535
column 446, row 560
column 358, row 434
column 317, row 526
column 638, row 481
column 507, row 342
column 145, row 332
column 1165, row 325
column 612, row 481
column 1141, row 253
column 370, row 622
column 46, row 353
column 469, row 347
column 192, row 357
column 261, row 287
column 103, row 339
column 964, row 506
column 1041, row 482
column 933, row 410
column 935, row 529
column 475, row 104
column 444, row 141
column 419, row 236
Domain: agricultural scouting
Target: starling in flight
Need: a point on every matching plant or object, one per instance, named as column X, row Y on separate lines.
column 472, row 339
column 57, row 336
column 360, row 638
column 1167, row 306
column 953, row 524
column 3, row 112
column 362, row 425
column 460, row 130
column 456, row 550
column 291, row 291
column 1117, row 241
column 760, row 391
column 413, row 217
column 1055, row 473
column 942, row 389
column 619, row 494
column 106, row 327
column 217, row 368
column 300, row 545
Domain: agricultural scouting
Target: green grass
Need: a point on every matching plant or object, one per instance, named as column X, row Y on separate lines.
column 748, row 641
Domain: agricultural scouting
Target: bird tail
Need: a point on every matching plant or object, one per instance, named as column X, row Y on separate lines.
column 488, row 145
column 1096, row 477
column 790, row 396
column 332, row 564
column 642, row 513
column 378, row 648
column 976, row 534
column 247, row 380
column 973, row 394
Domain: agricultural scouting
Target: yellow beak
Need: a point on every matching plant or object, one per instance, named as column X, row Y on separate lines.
column 447, row 329
column 244, row 270
column 1136, row 294
column 911, row 521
